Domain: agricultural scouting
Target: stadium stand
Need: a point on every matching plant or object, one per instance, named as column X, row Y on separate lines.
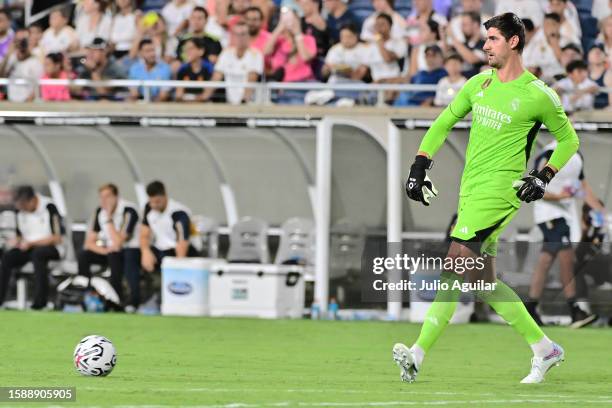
column 151, row 25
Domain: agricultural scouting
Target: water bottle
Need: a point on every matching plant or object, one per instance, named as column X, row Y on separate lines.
column 332, row 309
column 93, row 303
column 315, row 311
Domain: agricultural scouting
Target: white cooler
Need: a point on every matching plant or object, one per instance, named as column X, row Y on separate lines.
column 257, row 290
column 185, row 285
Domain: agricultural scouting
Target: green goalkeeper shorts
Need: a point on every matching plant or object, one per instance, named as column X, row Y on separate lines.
column 480, row 221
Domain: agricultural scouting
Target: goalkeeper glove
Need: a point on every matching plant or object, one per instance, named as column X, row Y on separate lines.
column 419, row 187
column 533, row 186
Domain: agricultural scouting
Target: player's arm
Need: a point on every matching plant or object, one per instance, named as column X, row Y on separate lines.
column 552, row 115
column 92, row 236
column 182, row 227
column 147, row 258
column 590, row 198
column 419, row 187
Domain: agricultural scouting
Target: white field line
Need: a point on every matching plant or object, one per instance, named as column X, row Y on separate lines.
column 342, row 391
column 503, row 402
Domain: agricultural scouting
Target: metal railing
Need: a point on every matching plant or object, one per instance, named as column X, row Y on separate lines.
column 263, row 90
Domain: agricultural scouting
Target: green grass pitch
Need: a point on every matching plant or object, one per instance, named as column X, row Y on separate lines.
column 243, row 363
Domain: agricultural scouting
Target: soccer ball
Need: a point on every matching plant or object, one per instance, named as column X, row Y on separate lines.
column 95, row 356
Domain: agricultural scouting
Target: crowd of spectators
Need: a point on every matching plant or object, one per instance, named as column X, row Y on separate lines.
column 437, row 42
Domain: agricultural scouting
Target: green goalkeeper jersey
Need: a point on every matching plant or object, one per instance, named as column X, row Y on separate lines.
column 506, row 117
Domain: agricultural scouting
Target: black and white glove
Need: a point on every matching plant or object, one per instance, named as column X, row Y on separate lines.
column 533, row 186
column 419, row 187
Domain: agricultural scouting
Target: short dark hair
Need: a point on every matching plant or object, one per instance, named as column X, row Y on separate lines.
column 156, row 188
column 433, row 48
column 573, row 47
column 64, row 12
column 351, row 27
column 453, row 56
column 143, row 42
column 197, row 42
column 553, row 16
column 386, row 17
column 36, row 25
column 55, row 57
column 200, row 9
column 528, row 24
column 255, row 9
column 576, row 64
column 109, row 186
column 473, row 15
column 23, row 193
column 509, row 25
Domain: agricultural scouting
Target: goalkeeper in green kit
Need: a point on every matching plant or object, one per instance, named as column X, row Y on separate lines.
column 508, row 106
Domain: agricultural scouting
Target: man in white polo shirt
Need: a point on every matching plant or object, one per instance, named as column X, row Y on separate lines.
column 165, row 230
column 112, row 240
column 556, row 217
column 239, row 63
column 39, row 239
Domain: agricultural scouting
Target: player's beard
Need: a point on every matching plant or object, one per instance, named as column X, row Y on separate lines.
column 495, row 62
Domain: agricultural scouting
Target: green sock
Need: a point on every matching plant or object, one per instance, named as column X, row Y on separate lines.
column 440, row 312
column 509, row 306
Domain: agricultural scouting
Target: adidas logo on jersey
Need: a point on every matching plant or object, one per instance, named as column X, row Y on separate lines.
column 480, row 94
column 463, row 230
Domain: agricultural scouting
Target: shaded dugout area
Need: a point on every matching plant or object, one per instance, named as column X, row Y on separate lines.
column 227, row 173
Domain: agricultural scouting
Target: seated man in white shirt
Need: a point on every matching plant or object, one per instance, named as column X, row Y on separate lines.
column 543, row 49
column 39, row 239
column 386, row 51
column 112, row 240
column 346, row 62
column 239, row 63
column 165, row 229
column 577, row 91
column 368, row 29
column 570, row 24
column 59, row 37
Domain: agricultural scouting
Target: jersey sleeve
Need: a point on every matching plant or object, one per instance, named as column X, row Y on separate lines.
column 147, row 210
column 439, row 130
column 95, row 222
column 57, row 224
column 182, row 225
column 130, row 218
column 553, row 116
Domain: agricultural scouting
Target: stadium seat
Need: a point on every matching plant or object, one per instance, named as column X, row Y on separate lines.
column 296, row 242
column 249, row 242
column 207, row 236
column 404, row 7
column 347, row 241
column 590, row 30
column 361, row 8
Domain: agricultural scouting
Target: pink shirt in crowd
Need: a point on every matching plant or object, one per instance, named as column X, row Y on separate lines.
column 259, row 43
column 55, row 92
column 296, row 69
